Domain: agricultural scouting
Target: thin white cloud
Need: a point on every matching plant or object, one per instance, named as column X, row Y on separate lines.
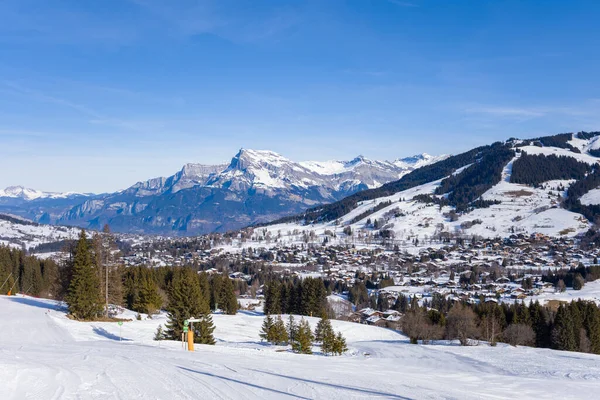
column 46, row 98
column 211, row 17
column 402, row 3
column 506, row 111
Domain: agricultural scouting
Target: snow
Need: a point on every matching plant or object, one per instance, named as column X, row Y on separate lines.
column 32, row 194
column 590, row 291
column 419, row 160
column 44, row 355
column 591, row 197
column 325, row 167
column 337, row 167
column 264, row 178
column 586, row 158
column 31, row 235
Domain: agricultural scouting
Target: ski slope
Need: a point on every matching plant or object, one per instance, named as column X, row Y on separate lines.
column 44, row 355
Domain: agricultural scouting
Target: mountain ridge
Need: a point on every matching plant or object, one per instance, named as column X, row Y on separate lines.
column 255, row 186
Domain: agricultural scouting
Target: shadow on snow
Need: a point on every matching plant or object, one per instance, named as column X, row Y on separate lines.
column 104, row 333
column 40, row 304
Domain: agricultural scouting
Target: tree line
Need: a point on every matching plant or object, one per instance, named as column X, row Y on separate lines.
column 306, row 296
column 571, row 326
column 27, row 274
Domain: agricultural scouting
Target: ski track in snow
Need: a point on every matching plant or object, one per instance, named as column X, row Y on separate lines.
column 44, row 355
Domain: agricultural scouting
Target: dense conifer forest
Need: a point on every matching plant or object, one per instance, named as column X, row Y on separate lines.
column 465, row 187
column 537, row 168
column 21, row 273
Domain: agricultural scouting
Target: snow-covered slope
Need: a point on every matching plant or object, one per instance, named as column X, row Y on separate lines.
column 19, row 233
column 519, row 208
column 47, row 356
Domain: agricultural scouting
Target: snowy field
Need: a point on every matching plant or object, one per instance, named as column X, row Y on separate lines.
column 44, row 355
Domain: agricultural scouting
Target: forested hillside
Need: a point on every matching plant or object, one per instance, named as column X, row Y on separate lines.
column 418, row 177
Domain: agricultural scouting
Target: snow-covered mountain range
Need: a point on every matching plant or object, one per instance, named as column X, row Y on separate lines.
column 20, row 192
column 255, row 186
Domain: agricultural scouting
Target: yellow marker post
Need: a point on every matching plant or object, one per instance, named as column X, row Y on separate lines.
column 190, row 339
column 190, row 332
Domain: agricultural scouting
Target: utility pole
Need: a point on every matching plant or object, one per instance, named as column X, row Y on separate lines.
column 7, row 278
column 10, row 290
column 106, row 291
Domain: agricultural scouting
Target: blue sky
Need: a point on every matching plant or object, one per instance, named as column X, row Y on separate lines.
column 96, row 95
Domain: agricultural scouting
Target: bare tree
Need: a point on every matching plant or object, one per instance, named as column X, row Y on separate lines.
column 417, row 325
column 519, row 335
column 491, row 326
column 461, row 324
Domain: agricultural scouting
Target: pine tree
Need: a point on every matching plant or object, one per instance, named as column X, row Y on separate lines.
column 149, row 300
column 339, row 345
column 203, row 330
column 292, row 329
column 205, row 287
column 266, row 332
column 215, row 292
column 563, row 334
column 280, row 336
column 160, row 334
column 578, row 282
column 186, row 301
column 228, row 299
column 328, row 341
column 323, row 328
column 592, row 324
column 304, row 338
column 84, row 299
column 539, row 318
column 272, row 303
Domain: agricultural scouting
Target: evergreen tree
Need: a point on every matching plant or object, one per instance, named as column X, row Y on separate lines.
column 84, row 299
column 328, row 341
column 339, row 345
column 521, row 315
column 228, row 299
column 272, row 303
column 266, row 332
column 304, row 338
column 160, row 334
column 539, row 323
column 401, row 303
column 292, row 329
column 148, row 299
column 205, row 286
column 186, row 301
column 280, row 335
column 592, row 326
column 323, row 328
column 215, row 292
column 563, row 334
column 203, row 330
column 578, row 282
